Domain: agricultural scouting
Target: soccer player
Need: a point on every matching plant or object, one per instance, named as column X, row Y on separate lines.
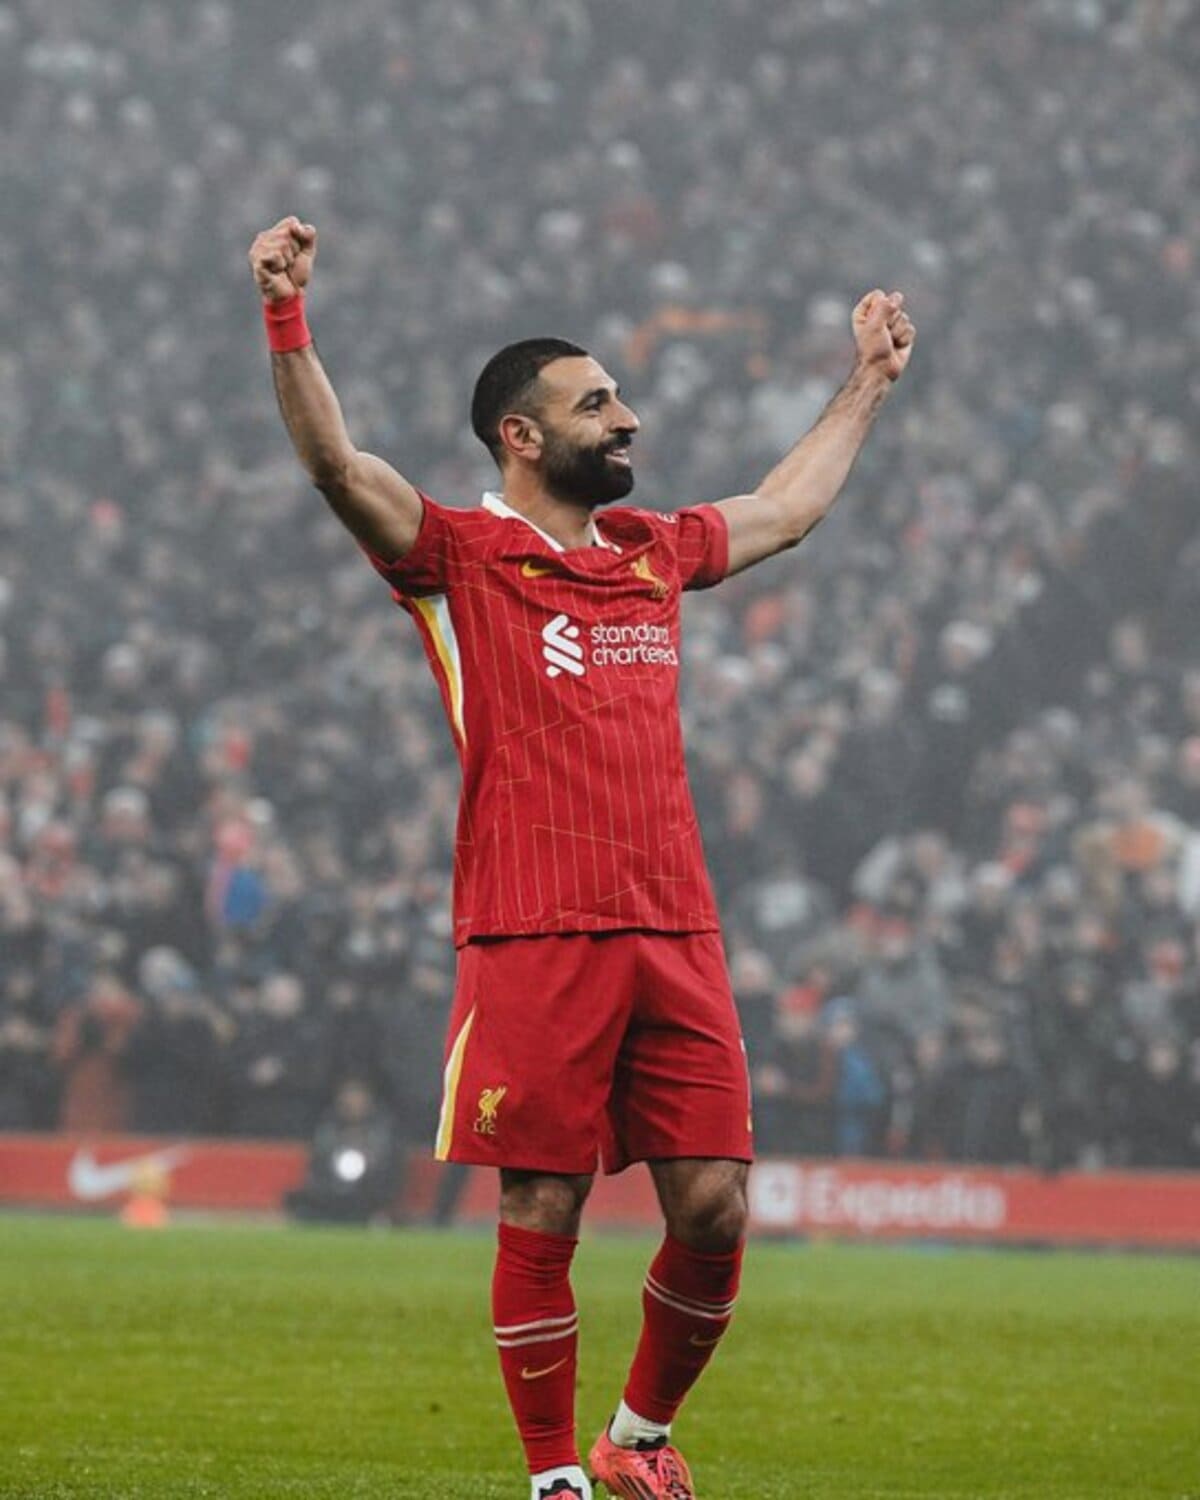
column 592, row 1021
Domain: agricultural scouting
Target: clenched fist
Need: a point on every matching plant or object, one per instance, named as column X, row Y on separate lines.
column 282, row 258
column 884, row 332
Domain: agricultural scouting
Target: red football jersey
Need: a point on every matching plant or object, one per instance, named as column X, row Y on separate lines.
column 559, row 672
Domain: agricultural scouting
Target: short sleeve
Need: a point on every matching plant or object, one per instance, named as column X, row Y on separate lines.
column 428, row 567
column 701, row 545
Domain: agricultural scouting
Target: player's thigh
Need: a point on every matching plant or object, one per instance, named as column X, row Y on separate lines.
column 534, row 1035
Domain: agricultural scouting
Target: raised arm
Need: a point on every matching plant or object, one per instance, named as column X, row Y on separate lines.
column 799, row 491
column 367, row 495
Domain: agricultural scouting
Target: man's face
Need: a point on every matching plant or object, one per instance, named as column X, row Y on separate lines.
column 586, row 433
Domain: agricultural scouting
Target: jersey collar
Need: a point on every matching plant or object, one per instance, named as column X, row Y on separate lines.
column 500, row 507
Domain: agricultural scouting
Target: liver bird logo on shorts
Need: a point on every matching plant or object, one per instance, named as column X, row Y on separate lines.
column 640, row 568
column 489, row 1103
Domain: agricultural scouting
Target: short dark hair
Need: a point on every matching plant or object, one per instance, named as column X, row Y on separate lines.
column 506, row 381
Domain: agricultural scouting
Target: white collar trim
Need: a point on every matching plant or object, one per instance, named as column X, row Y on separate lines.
column 500, row 507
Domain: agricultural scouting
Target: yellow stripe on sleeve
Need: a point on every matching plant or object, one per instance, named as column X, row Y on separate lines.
column 436, row 614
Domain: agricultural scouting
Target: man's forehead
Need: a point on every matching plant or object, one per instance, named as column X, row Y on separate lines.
column 567, row 378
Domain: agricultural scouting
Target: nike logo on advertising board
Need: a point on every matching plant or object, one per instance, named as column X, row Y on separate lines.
column 561, row 648
column 531, row 570
column 88, row 1180
column 528, row 1374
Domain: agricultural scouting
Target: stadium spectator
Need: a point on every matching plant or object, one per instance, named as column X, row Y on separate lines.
column 860, row 1096
column 1076, row 1040
column 353, row 1165
column 26, row 1078
column 794, row 1089
column 1163, row 1109
column 902, row 988
column 91, row 1043
column 173, row 1056
column 975, row 1110
column 277, row 1063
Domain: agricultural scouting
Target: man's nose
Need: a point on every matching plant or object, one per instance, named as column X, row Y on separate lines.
column 626, row 419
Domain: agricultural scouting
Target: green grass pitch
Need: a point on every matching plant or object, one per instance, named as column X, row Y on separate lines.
column 341, row 1365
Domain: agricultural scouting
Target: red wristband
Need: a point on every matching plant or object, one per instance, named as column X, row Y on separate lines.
column 286, row 327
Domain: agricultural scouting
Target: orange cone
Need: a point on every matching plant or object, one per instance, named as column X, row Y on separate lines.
column 146, row 1207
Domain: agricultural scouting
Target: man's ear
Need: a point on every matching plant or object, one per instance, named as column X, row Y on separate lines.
column 521, row 436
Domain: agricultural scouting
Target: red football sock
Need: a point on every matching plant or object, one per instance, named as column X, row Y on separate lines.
column 687, row 1303
column 537, row 1332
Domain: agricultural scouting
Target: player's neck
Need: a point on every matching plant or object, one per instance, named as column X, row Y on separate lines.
column 569, row 523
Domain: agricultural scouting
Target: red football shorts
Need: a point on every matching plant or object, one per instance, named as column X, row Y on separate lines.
column 566, row 1052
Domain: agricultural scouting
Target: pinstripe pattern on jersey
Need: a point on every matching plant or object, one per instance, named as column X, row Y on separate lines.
column 576, row 814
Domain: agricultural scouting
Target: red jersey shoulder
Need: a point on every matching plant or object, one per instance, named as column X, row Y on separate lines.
column 693, row 542
column 449, row 542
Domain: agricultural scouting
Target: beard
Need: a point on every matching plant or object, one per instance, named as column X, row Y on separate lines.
column 585, row 476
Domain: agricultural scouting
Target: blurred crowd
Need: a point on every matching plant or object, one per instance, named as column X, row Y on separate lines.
column 946, row 756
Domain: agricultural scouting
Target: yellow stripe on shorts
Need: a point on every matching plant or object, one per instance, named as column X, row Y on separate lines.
column 454, row 1065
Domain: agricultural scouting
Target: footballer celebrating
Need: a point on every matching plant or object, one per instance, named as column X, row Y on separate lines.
column 593, row 1023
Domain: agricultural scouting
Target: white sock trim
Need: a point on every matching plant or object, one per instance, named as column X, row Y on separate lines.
column 572, row 1473
column 627, row 1429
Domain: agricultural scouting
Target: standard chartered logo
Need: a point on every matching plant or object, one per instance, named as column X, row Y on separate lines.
column 611, row 646
column 561, row 648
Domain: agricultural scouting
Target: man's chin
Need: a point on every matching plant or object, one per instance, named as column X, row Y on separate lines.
column 620, row 481
column 614, row 488
column 593, row 484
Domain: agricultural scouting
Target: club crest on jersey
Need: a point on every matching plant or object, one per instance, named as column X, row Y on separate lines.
column 640, row 568
column 489, row 1105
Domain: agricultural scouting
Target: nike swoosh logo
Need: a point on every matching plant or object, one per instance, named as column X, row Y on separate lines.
column 527, row 1374
column 531, row 570
column 704, row 1343
column 88, row 1180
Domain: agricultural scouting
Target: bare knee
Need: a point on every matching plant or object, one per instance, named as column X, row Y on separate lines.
column 547, row 1203
column 704, row 1203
